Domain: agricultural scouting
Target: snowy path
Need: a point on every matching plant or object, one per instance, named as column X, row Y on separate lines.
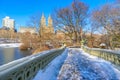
column 82, row 66
column 52, row 70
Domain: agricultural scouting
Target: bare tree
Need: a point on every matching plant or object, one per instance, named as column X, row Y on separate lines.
column 108, row 17
column 72, row 19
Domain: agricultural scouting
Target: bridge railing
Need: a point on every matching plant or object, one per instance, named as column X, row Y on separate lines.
column 26, row 68
column 108, row 55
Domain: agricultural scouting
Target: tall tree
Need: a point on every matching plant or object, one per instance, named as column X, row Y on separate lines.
column 72, row 19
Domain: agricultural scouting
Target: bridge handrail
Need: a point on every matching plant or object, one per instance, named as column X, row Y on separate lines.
column 27, row 65
column 108, row 55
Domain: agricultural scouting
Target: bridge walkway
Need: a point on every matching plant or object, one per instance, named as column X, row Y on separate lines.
column 83, row 66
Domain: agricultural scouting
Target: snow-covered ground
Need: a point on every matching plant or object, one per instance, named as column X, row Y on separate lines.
column 53, row 68
column 82, row 66
column 7, row 45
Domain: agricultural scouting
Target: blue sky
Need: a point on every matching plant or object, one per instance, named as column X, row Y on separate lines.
column 21, row 10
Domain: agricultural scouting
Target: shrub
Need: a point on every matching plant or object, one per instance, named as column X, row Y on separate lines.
column 24, row 47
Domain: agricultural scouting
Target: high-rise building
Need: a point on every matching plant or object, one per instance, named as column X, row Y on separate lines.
column 8, row 23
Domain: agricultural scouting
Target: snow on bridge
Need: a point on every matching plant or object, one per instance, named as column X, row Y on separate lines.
column 75, row 64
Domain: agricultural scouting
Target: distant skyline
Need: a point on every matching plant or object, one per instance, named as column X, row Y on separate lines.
column 21, row 10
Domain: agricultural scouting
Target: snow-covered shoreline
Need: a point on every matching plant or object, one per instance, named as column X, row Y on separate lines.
column 8, row 45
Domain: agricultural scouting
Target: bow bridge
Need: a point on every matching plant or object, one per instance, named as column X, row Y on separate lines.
column 26, row 68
